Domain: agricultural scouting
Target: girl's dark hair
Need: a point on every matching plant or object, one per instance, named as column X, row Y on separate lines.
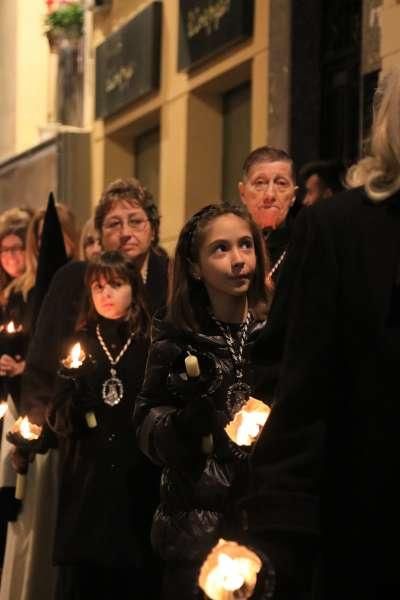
column 113, row 266
column 189, row 299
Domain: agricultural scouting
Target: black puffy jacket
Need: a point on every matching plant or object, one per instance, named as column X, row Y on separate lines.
column 197, row 491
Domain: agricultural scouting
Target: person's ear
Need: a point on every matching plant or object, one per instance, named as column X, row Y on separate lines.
column 195, row 271
column 241, row 191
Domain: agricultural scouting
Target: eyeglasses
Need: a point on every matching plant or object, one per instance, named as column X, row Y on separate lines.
column 132, row 222
column 12, row 250
column 261, row 185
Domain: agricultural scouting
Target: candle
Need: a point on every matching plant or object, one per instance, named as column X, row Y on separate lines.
column 76, row 357
column 229, row 571
column 75, row 360
column 3, row 408
column 248, row 422
column 11, row 339
column 193, row 370
column 28, row 431
column 192, row 366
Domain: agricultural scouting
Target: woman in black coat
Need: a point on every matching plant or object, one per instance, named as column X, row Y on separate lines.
column 328, row 456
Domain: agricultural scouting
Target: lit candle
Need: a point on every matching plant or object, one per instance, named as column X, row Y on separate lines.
column 3, row 408
column 229, row 571
column 248, row 422
column 12, row 339
column 75, row 360
column 193, row 370
column 29, row 431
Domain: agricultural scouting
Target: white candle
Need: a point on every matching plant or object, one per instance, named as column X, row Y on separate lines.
column 28, row 431
column 248, row 422
column 192, row 366
column 91, row 420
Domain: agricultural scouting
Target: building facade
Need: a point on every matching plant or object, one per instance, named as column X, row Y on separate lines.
column 177, row 92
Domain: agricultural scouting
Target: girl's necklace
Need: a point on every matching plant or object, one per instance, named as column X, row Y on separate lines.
column 274, row 268
column 239, row 392
column 112, row 390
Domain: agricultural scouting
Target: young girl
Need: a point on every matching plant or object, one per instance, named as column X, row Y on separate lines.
column 108, row 489
column 217, row 310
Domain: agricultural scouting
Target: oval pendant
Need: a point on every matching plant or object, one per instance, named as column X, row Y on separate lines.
column 112, row 391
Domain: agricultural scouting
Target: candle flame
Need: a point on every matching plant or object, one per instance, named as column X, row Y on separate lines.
column 10, row 328
column 75, row 357
column 3, row 409
column 27, row 430
column 247, row 423
column 228, row 568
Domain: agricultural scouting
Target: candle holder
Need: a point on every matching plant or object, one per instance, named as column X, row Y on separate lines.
column 26, row 437
column 230, row 572
column 247, row 423
column 73, row 368
column 12, row 339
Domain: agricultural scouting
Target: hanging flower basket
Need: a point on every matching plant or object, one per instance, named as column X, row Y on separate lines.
column 64, row 23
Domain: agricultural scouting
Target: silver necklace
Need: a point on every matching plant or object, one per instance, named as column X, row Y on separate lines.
column 112, row 390
column 274, row 268
column 239, row 392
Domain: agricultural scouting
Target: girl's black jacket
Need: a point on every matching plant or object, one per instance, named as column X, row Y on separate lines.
column 108, row 489
column 197, row 491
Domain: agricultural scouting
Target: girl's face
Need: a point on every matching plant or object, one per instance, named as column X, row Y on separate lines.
column 91, row 245
column 111, row 299
column 227, row 258
column 12, row 255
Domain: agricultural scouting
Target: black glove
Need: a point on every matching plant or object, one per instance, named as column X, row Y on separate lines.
column 206, row 383
column 74, row 386
column 196, row 418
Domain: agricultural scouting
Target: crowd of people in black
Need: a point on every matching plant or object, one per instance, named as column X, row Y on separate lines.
column 143, row 378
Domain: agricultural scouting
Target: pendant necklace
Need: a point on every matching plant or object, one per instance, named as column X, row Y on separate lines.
column 239, row 392
column 274, row 268
column 112, row 390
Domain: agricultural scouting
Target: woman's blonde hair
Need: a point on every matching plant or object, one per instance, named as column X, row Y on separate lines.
column 26, row 281
column 88, row 230
column 380, row 172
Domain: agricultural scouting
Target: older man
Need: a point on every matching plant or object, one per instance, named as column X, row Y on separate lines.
column 268, row 189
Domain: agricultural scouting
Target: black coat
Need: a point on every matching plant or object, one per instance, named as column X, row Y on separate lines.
column 108, row 490
column 328, row 457
column 56, row 322
column 196, row 491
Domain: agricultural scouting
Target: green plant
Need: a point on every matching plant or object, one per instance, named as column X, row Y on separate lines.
column 67, row 17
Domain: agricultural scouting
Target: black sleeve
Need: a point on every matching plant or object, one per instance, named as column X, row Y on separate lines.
column 286, row 462
column 54, row 326
column 156, row 408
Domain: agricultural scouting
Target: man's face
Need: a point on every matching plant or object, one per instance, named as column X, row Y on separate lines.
column 126, row 227
column 268, row 191
column 315, row 190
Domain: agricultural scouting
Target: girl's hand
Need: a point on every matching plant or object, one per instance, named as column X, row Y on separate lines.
column 11, row 367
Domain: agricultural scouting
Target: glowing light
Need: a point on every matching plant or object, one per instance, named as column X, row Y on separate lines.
column 3, row 409
column 10, row 328
column 228, row 568
column 29, row 431
column 75, row 358
column 248, row 422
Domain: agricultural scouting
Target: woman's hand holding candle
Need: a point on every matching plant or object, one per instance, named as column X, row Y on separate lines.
column 21, row 435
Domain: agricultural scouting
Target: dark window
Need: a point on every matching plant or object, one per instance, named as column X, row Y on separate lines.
column 236, row 140
column 147, row 160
